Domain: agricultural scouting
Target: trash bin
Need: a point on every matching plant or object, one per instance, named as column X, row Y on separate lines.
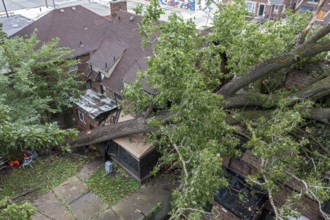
column 108, row 167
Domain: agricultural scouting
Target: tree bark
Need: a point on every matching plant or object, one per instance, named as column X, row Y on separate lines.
column 120, row 129
column 135, row 126
column 116, row 130
column 321, row 86
column 319, row 114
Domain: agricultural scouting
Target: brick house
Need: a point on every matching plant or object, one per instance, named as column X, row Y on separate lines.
column 274, row 9
column 110, row 53
column 109, row 49
column 269, row 9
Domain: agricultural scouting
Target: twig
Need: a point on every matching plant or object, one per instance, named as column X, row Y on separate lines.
column 25, row 193
column 325, row 215
column 303, row 34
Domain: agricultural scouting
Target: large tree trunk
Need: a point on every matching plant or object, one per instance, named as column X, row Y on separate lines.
column 120, row 129
column 135, row 126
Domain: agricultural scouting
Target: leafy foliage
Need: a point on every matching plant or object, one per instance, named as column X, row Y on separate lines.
column 36, row 82
column 2, row 34
column 15, row 211
column 284, row 159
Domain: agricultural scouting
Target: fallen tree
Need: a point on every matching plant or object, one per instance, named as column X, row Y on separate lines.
column 234, row 75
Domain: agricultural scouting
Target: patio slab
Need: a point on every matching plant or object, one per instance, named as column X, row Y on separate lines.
column 51, row 206
column 71, row 189
column 142, row 204
column 89, row 169
column 40, row 216
column 87, row 206
column 109, row 214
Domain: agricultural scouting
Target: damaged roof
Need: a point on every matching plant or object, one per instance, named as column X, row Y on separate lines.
column 95, row 104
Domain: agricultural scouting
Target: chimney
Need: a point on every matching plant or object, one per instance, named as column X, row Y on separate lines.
column 116, row 6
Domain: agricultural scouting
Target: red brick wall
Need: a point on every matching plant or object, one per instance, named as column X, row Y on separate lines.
column 88, row 122
column 83, row 66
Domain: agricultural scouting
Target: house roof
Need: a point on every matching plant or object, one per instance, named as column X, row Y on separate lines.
column 125, row 28
column 77, row 28
column 95, row 104
column 307, row 207
column 84, row 31
column 136, row 144
column 131, row 75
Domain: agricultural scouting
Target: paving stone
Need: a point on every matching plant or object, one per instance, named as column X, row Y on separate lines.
column 89, row 169
column 145, row 200
column 108, row 215
column 87, row 206
column 40, row 216
column 51, row 206
column 71, row 189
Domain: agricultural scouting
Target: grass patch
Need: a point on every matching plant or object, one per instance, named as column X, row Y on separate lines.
column 113, row 187
column 47, row 172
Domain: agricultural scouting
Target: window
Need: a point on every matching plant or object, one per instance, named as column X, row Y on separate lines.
column 276, row 7
column 81, row 116
column 313, row 1
column 251, row 7
column 88, row 84
column 73, row 69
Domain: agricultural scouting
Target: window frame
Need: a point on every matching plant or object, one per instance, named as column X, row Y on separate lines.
column 253, row 5
column 81, row 116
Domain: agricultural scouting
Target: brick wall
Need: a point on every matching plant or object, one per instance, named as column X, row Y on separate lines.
column 87, row 124
column 116, row 6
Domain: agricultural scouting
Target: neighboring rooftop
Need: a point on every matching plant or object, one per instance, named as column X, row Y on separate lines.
column 14, row 23
column 126, row 29
column 77, row 28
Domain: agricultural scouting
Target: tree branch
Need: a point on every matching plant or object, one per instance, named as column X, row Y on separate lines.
column 322, row 85
column 309, row 192
column 277, row 63
column 303, row 34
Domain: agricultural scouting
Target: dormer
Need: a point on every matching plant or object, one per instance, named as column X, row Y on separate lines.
column 106, row 58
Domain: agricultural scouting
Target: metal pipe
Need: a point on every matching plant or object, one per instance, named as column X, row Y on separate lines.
column 4, row 5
